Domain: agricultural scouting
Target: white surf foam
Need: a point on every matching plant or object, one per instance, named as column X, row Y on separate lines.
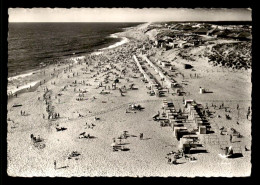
column 123, row 41
column 97, row 53
column 113, row 36
column 77, row 59
column 20, row 76
column 13, row 90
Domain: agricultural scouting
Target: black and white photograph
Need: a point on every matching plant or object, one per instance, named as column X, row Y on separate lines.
column 129, row 92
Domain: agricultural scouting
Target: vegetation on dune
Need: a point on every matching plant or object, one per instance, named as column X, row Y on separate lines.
column 231, row 55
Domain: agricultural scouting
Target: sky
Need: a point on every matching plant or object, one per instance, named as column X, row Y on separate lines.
column 127, row 14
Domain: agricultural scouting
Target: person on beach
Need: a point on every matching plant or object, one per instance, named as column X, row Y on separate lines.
column 174, row 161
column 248, row 112
column 43, row 116
column 21, row 113
column 55, row 164
column 141, row 136
column 230, row 138
column 169, row 160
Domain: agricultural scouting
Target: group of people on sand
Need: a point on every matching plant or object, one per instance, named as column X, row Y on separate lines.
column 84, row 135
column 22, row 113
column 11, row 94
column 172, row 160
column 173, row 156
column 91, row 126
column 53, row 115
column 248, row 112
column 125, row 135
column 35, row 139
column 79, row 99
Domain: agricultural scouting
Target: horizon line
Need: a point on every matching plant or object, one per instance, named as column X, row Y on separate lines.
column 134, row 21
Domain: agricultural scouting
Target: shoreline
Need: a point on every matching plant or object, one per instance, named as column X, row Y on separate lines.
column 123, row 40
column 35, row 84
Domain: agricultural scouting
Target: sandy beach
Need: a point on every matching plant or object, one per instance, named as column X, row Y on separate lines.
column 81, row 96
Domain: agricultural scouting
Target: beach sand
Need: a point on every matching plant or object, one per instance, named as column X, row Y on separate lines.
column 144, row 157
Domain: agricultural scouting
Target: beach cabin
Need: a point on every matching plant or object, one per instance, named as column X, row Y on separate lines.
column 188, row 102
column 202, row 90
column 202, row 130
column 178, row 132
column 154, row 86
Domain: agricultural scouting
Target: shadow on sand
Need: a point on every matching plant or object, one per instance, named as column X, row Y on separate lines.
column 124, row 144
column 205, row 92
column 236, row 155
column 198, row 151
column 91, row 137
column 146, row 138
column 63, row 167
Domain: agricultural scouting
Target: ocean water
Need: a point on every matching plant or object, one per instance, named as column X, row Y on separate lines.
column 32, row 45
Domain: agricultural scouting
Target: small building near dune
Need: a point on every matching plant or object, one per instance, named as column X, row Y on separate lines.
column 173, row 45
column 187, row 66
column 176, row 27
column 186, row 27
column 223, row 33
column 188, row 102
column 195, row 42
column 201, row 31
column 158, row 43
column 232, row 35
column 212, row 31
column 165, row 63
column 182, row 44
column 244, row 36
column 202, row 130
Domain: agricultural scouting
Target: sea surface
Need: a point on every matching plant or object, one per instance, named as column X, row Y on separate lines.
column 33, row 45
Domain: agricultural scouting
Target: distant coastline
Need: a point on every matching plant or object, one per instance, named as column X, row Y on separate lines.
column 34, row 49
column 22, row 81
